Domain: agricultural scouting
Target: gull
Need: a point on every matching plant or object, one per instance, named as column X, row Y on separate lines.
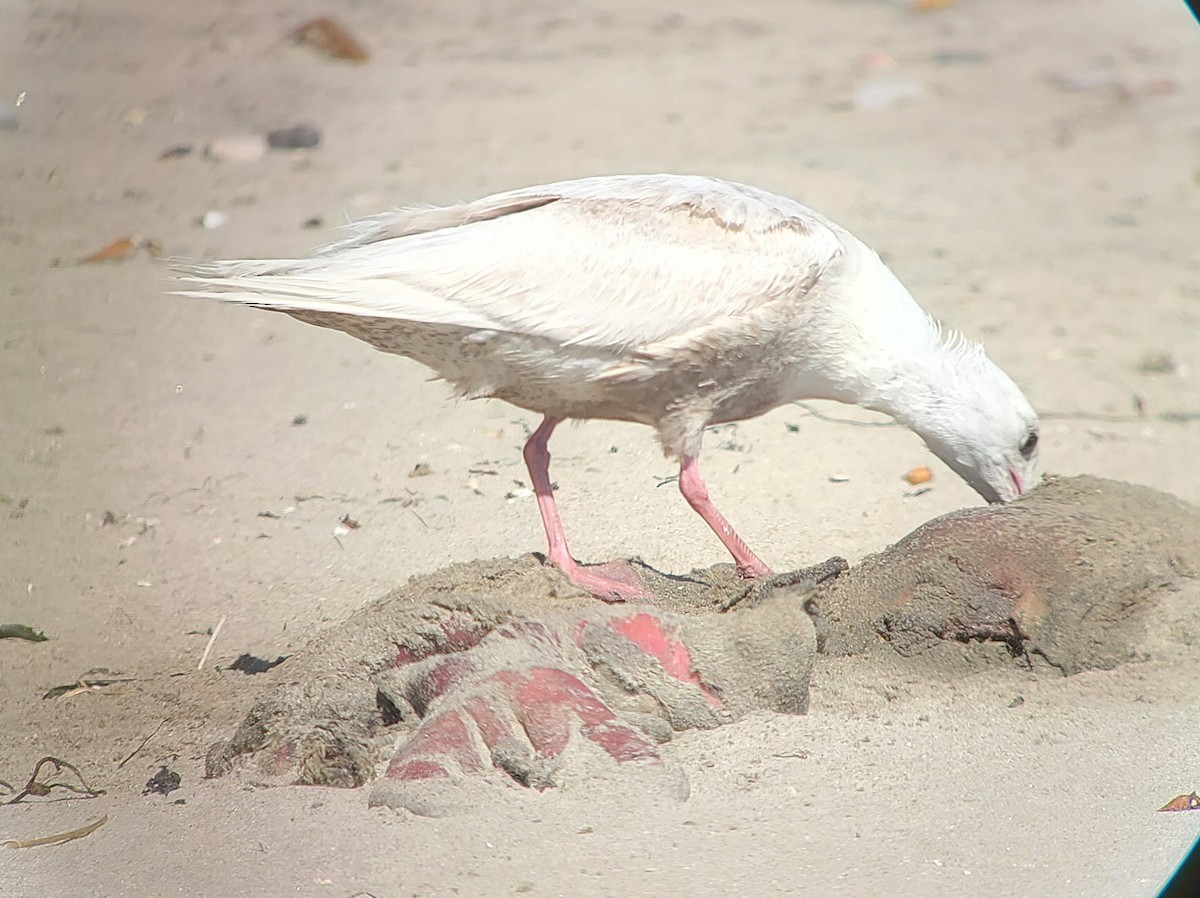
column 674, row 301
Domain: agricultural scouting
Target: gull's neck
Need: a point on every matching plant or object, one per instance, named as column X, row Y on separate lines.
column 892, row 357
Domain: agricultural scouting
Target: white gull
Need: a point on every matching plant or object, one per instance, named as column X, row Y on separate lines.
column 672, row 301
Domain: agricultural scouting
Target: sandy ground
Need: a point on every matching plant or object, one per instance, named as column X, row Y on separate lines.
column 1039, row 191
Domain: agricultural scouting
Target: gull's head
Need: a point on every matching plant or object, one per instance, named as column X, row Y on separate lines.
column 978, row 422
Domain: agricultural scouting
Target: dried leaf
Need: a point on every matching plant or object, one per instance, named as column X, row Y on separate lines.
column 58, row 838
column 1183, row 803
column 331, row 38
column 120, row 249
column 349, row 523
column 93, row 679
column 20, row 631
column 113, row 252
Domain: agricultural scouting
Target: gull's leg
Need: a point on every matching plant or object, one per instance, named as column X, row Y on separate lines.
column 614, row 582
column 696, row 493
column 537, row 460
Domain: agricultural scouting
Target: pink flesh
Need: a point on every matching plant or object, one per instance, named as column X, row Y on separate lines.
column 551, row 703
column 552, row 706
column 444, row 736
column 459, row 633
column 647, row 633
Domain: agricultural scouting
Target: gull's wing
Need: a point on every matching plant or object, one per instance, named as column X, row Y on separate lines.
column 612, row 263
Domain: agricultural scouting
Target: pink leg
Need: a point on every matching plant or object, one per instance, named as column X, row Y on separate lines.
column 696, row 493
column 614, row 582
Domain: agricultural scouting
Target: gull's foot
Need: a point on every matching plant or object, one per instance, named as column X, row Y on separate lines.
column 754, row 569
column 806, row 579
column 612, row 582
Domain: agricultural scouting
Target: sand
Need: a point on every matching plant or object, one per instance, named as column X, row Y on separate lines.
column 1034, row 183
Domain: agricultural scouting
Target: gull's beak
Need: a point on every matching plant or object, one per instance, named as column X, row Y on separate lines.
column 1016, row 480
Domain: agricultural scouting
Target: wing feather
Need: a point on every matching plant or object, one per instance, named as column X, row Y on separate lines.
column 613, row 263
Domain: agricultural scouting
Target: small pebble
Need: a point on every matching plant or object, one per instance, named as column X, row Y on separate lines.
column 1157, row 363
column 302, row 136
column 176, row 152
column 960, row 57
column 213, row 219
column 240, row 148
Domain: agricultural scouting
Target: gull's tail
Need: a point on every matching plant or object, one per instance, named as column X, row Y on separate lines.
column 317, row 287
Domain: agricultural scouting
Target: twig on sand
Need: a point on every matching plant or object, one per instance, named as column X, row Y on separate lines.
column 96, row 678
column 211, row 640
column 142, row 744
column 57, row 838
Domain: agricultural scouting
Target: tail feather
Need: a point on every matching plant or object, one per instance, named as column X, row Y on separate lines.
column 284, row 285
column 186, row 269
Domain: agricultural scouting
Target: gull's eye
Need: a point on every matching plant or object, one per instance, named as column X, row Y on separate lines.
column 1030, row 444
